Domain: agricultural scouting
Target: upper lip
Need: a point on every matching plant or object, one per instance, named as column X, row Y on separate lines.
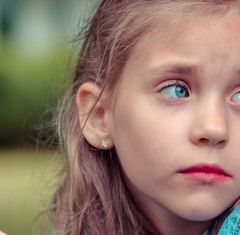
column 205, row 168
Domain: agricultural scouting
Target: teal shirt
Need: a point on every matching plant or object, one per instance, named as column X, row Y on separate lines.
column 231, row 225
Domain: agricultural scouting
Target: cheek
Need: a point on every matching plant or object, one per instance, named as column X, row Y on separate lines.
column 146, row 144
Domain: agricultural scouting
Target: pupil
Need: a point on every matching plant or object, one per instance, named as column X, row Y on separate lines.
column 180, row 91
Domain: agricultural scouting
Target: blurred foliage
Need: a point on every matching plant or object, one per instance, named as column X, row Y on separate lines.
column 34, row 61
column 29, row 88
column 35, row 64
column 28, row 180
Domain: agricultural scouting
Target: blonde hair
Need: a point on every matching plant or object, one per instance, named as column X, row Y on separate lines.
column 94, row 197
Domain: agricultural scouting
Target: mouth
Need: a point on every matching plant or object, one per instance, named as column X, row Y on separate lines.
column 206, row 173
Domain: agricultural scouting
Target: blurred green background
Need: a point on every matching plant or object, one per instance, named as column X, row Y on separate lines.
column 37, row 59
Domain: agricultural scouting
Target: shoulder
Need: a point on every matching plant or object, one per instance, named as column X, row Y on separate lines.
column 231, row 224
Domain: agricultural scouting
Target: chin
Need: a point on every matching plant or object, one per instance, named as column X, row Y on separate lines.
column 204, row 213
column 204, row 207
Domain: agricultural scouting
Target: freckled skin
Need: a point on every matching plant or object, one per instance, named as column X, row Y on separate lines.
column 157, row 135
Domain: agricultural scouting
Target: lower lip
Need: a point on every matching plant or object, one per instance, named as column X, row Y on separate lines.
column 206, row 176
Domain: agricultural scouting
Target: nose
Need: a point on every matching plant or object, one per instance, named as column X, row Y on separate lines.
column 210, row 126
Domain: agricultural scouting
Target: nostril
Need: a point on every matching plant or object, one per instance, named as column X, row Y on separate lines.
column 221, row 143
column 203, row 140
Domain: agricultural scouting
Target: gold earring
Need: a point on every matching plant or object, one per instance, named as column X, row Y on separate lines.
column 104, row 144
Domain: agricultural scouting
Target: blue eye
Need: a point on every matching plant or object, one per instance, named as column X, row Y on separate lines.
column 176, row 91
column 236, row 97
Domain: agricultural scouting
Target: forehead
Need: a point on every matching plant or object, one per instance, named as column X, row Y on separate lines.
column 197, row 30
column 209, row 46
column 167, row 29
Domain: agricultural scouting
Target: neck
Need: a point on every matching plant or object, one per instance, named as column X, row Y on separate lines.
column 181, row 226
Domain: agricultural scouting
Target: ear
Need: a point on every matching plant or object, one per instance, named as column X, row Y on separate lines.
column 94, row 115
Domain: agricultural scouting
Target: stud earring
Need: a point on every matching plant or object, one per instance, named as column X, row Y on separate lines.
column 104, row 144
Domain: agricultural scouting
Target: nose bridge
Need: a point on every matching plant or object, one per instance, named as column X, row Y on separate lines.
column 210, row 122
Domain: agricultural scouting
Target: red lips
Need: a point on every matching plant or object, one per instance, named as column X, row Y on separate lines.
column 206, row 173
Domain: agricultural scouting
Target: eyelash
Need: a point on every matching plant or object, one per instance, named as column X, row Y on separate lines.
column 175, row 83
column 179, row 83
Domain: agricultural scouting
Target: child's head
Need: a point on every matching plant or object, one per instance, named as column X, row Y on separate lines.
column 155, row 107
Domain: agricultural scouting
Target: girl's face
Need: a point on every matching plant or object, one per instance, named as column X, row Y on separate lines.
column 176, row 123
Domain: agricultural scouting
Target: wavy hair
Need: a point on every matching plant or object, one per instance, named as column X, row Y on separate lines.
column 93, row 197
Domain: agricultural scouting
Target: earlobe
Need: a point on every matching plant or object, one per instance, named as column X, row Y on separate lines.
column 94, row 116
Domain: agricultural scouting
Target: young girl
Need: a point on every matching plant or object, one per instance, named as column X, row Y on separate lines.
column 151, row 126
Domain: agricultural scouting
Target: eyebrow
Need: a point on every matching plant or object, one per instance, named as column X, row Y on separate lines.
column 176, row 68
